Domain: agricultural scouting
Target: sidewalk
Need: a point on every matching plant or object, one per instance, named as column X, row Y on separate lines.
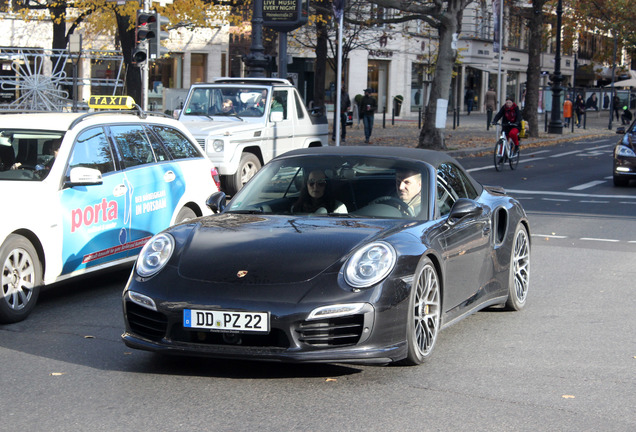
column 471, row 136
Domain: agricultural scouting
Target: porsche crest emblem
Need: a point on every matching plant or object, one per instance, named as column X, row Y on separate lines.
column 241, row 273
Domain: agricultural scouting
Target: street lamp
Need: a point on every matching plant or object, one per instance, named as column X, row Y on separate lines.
column 556, row 125
column 256, row 61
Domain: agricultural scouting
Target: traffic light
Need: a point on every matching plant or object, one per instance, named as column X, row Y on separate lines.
column 156, row 35
column 143, row 32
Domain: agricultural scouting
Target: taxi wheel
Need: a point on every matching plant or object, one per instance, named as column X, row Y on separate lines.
column 185, row 214
column 248, row 166
column 20, row 279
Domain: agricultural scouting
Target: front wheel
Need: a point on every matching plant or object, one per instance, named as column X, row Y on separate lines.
column 519, row 274
column 248, row 166
column 20, row 279
column 500, row 155
column 514, row 157
column 424, row 314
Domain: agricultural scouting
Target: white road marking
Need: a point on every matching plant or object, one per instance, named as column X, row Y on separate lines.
column 555, row 199
column 571, row 194
column 599, row 239
column 587, row 185
column 566, row 154
column 549, row 236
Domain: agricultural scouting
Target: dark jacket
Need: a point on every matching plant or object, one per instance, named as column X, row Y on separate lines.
column 370, row 101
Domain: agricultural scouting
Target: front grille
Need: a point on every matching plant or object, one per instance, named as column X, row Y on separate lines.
column 145, row 322
column 276, row 338
column 201, row 142
column 331, row 332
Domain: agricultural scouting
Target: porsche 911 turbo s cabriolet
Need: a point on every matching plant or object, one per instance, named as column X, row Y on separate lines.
column 332, row 254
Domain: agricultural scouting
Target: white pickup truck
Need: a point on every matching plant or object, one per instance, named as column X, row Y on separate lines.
column 242, row 123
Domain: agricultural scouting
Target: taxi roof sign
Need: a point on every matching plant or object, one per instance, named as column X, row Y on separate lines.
column 111, row 102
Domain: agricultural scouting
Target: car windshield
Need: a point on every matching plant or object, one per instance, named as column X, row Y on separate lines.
column 337, row 187
column 227, row 101
column 27, row 155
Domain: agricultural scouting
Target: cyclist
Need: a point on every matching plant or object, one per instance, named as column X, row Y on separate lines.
column 511, row 121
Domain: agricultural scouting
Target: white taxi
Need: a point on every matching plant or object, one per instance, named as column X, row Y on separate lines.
column 84, row 192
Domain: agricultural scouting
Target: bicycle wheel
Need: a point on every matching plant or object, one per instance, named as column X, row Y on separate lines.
column 499, row 155
column 514, row 155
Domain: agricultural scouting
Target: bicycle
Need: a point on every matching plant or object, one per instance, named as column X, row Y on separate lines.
column 504, row 151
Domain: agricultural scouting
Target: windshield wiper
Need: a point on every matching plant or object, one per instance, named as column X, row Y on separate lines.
column 247, row 211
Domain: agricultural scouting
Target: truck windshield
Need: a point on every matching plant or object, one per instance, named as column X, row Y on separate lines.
column 227, row 101
column 27, row 154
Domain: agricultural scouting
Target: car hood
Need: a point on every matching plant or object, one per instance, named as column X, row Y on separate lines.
column 222, row 126
column 259, row 249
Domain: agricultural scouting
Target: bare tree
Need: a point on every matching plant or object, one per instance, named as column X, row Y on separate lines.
column 445, row 16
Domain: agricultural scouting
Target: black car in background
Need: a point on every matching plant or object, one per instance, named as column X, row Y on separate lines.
column 624, row 167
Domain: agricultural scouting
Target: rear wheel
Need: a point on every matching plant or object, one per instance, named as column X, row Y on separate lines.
column 20, row 279
column 424, row 314
column 514, row 157
column 248, row 166
column 519, row 275
column 499, row 155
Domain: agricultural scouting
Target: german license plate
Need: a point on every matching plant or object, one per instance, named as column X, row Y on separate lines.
column 227, row 321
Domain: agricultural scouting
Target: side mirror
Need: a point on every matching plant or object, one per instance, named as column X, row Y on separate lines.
column 216, row 202
column 464, row 208
column 82, row 176
column 276, row 116
column 176, row 113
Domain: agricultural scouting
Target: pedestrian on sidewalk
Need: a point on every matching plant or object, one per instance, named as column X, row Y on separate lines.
column 567, row 110
column 345, row 105
column 470, row 99
column 626, row 117
column 617, row 106
column 490, row 104
column 579, row 107
column 367, row 106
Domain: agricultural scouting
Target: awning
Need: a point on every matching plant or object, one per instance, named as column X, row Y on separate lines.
column 625, row 83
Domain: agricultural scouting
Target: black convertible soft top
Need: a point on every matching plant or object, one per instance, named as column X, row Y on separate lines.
column 431, row 157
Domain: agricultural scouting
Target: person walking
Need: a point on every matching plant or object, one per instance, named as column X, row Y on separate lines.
column 470, row 99
column 567, row 110
column 367, row 107
column 490, row 104
column 345, row 105
column 579, row 107
column 617, row 106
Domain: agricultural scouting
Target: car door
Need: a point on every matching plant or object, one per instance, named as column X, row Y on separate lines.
column 153, row 182
column 93, row 216
column 282, row 131
column 466, row 243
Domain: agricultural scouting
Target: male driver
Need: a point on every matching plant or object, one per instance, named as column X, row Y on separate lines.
column 409, row 187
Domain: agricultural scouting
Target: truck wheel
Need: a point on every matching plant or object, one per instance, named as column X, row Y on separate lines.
column 248, row 166
column 20, row 279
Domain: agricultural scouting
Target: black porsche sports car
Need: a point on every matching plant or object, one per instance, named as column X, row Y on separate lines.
column 332, row 254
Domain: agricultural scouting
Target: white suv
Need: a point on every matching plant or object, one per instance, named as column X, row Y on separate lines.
column 84, row 192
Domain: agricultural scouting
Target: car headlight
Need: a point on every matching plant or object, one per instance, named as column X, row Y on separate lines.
column 155, row 254
column 370, row 264
column 624, row 151
column 218, row 145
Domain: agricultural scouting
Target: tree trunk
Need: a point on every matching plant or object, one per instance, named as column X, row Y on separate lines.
column 59, row 42
column 432, row 137
column 531, row 108
column 133, row 73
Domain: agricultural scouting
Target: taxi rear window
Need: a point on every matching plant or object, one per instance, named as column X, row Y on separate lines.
column 178, row 145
